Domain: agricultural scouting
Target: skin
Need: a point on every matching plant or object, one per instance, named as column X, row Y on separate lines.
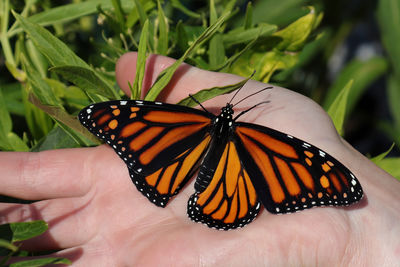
column 97, row 217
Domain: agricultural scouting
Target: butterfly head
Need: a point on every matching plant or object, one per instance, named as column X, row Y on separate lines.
column 227, row 111
column 224, row 121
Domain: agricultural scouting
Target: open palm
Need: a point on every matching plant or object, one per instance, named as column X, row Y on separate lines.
column 98, row 218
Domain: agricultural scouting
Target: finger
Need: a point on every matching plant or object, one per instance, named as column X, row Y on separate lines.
column 186, row 80
column 47, row 174
column 287, row 111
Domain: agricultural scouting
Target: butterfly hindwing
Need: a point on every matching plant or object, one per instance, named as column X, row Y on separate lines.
column 161, row 144
column 290, row 174
column 225, row 197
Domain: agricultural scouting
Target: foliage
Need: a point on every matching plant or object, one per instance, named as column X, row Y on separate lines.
column 15, row 232
column 56, row 58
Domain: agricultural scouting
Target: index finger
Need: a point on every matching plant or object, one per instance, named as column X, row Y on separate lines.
column 186, row 80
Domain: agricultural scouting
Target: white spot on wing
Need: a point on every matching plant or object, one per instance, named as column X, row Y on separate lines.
column 123, row 103
column 306, row 145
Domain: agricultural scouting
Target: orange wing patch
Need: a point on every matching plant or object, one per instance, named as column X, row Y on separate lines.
column 229, row 201
column 161, row 144
column 290, row 174
column 264, row 164
column 168, row 180
column 174, row 117
column 271, row 143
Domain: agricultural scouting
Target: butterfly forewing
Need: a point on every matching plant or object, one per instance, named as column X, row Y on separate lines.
column 290, row 174
column 160, row 143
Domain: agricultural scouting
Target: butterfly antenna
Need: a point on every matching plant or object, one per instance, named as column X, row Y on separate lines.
column 266, row 88
column 198, row 102
column 237, row 91
column 247, row 110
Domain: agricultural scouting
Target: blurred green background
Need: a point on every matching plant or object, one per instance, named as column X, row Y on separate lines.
column 58, row 56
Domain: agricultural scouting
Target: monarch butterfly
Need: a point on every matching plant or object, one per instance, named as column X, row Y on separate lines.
column 240, row 165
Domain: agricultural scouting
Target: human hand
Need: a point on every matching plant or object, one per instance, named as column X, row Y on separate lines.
column 97, row 217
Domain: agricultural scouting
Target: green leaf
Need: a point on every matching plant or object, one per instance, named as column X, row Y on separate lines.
column 213, row 12
column 391, row 165
column 39, row 123
column 337, row 110
column 393, row 92
column 236, row 56
column 306, row 55
column 216, row 52
column 248, row 19
column 134, row 15
column 7, row 245
column 5, row 119
column 87, row 79
column 206, row 94
column 181, row 36
column 294, row 36
column 73, row 96
column 20, row 231
column 264, row 63
column 13, row 143
column 56, row 52
column 79, row 135
column 26, row 230
column 39, row 86
column 389, row 21
column 363, row 73
column 63, row 117
column 16, row 73
column 65, row 13
column 119, row 13
column 162, row 42
column 57, row 138
column 12, row 94
column 7, row 249
column 166, row 75
column 40, row 262
column 241, row 35
column 141, row 12
column 381, row 156
column 7, row 52
column 136, row 89
column 277, row 12
column 176, row 4
column 39, row 62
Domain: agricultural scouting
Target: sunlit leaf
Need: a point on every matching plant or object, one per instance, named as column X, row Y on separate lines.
column 337, row 110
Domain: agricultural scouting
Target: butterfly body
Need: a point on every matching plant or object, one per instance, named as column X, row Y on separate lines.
column 241, row 166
